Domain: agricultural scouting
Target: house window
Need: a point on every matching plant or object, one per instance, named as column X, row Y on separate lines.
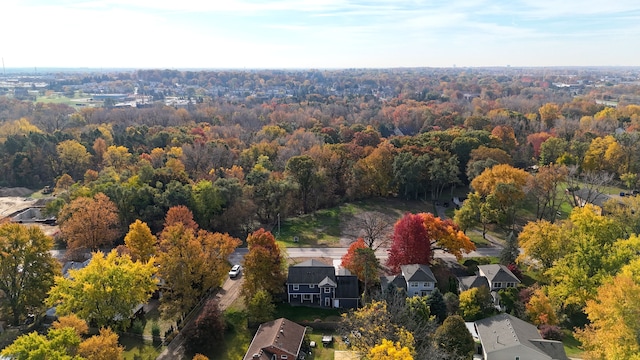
column 311, row 287
column 283, row 356
column 296, row 287
column 306, row 296
column 295, row 296
column 327, row 290
column 427, row 285
column 511, row 284
column 414, row 284
column 517, row 357
column 497, row 284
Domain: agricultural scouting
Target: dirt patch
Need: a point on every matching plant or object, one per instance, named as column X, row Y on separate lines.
column 12, row 204
column 15, row 192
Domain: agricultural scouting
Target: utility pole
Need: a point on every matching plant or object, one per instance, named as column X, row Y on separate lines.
column 278, row 225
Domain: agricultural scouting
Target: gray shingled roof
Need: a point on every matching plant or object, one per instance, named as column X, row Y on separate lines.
column 504, row 331
column 417, row 272
column 310, row 272
column 280, row 334
column 470, row 282
column 495, row 272
column 397, row 280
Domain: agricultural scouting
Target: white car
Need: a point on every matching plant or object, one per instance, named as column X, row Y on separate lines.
column 235, row 270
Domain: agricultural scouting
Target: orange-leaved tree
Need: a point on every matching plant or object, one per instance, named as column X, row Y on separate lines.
column 263, row 265
column 89, row 222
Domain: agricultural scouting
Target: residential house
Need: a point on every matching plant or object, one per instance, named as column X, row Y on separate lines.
column 415, row 279
column 315, row 283
column 493, row 276
column 279, row 339
column 506, row 337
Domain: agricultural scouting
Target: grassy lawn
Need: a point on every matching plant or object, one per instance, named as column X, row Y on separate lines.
column 137, row 349
column 571, row 344
column 304, row 313
column 320, row 352
column 477, row 238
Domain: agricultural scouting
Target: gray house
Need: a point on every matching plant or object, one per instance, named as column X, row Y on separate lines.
column 505, row 337
column 415, row 279
column 493, row 276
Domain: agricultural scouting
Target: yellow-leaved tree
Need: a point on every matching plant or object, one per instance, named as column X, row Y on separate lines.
column 388, row 350
column 140, row 241
column 106, row 291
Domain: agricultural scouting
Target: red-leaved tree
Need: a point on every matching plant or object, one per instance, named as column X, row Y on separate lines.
column 417, row 236
column 361, row 260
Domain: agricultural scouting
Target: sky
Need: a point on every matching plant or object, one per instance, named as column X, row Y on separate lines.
column 318, row 34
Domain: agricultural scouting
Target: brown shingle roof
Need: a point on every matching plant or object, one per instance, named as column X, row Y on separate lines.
column 279, row 336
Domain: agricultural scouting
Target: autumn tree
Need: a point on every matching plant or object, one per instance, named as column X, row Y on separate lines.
column 191, row 263
column 117, row 157
column 476, row 303
column 375, row 172
column 71, row 321
column 361, row 261
column 388, row 350
column 180, row 214
column 543, row 242
column 27, row 269
column 454, row 338
column 89, row 222
column 74, row 158
column 507, row 184
column 103, row 346
column 106, row 291
column 543, row 188
column 417, row 236
column 263, row 265
column 140, row 241
column 540, row 310
column 612, row 332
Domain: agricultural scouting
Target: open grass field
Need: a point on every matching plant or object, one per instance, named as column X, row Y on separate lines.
column 571, row 344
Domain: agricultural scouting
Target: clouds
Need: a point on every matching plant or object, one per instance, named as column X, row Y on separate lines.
column 318, row 33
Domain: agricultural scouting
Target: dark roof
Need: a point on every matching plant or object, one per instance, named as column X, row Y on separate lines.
column 417, row 272
column 310, row 272
column 470, row 282
column 496, row 272
column 397, row 280
column 313, row 262
column 73, row 265
column 280, row 334
column 592, row 196
column 504, row 331
column 347, row 287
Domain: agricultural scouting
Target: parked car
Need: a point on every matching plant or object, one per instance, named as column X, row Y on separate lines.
column 235, row 271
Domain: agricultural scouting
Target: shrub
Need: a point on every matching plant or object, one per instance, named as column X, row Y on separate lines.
column 137, row 327
column 155, row 329
column 551, row 332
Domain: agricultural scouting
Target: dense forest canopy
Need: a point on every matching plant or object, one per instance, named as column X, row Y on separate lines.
column 254, row 144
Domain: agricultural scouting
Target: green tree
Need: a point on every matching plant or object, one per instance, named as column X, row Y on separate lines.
column 260, row 307
column 58, row 344
column 303, row 170
column 476, row 303
column 106, row 291
column 437, row 306
column 454, row 338
column 74, row 158
column 27, row 269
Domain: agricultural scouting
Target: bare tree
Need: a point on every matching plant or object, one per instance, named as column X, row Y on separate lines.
column 587, row 186
column 374, row 229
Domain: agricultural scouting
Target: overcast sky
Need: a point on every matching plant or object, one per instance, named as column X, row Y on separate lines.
column 318, row 33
